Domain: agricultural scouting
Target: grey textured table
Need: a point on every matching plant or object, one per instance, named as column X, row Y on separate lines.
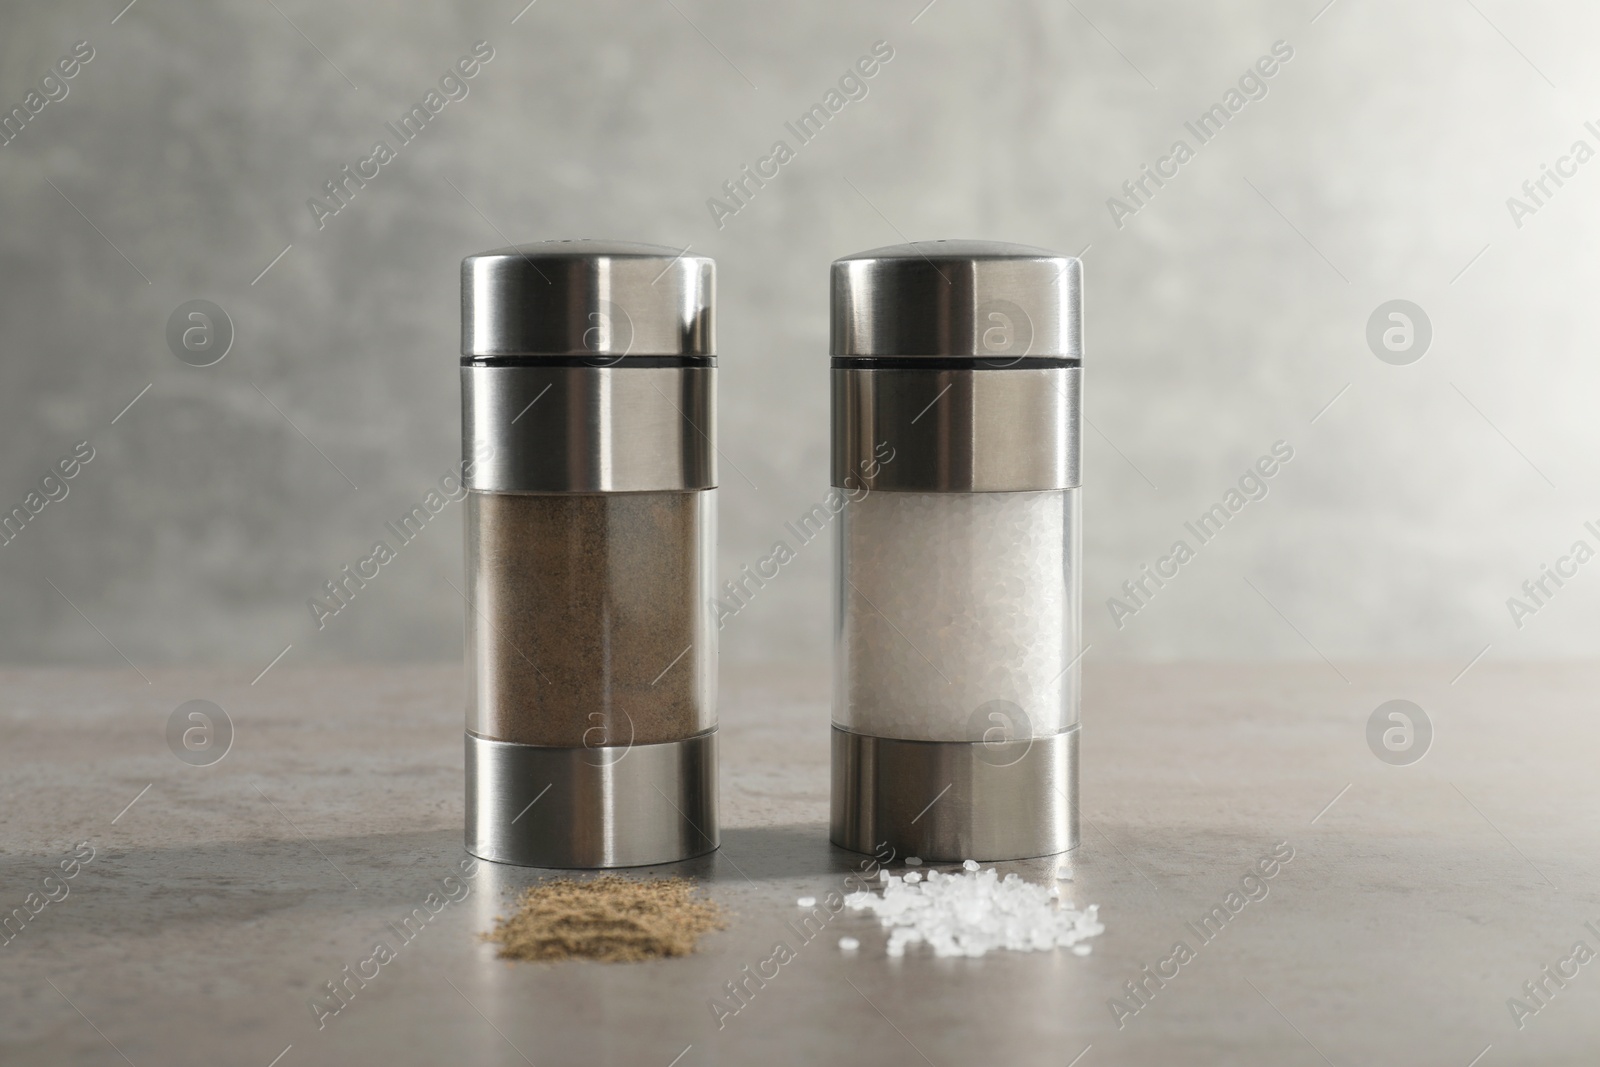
column 219, row 902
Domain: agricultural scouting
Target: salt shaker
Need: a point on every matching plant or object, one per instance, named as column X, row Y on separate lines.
column 588, row 423
column 956, row 425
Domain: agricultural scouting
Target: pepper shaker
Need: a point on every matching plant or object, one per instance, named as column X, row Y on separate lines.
column 956, row 422
column 588, row 421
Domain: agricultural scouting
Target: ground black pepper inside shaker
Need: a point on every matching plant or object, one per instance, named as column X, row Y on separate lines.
column 613, row 601
column 588, row 418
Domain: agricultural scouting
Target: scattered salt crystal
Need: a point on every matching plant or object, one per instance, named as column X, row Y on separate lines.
column 1063, row 874
column 970, row 913
column 913, row 861
column 848, row 944
column 883, row 875
column 807, row 902
column 1082, row 949
column 970, row 865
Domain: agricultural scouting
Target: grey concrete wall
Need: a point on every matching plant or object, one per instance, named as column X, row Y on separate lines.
column 1225, row 313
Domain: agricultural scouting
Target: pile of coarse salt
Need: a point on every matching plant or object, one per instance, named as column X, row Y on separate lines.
column 972, row 912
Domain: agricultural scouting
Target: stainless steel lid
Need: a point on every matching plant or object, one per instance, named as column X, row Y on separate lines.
column 964, row 299
column 587, row 298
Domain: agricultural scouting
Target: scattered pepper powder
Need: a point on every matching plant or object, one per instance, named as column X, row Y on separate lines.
column 610, row 918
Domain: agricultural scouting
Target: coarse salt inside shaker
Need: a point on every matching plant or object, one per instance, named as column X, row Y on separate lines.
column 956, row 415
column 588, row 384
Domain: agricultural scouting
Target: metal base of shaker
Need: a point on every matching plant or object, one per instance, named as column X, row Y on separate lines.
column 956, row 800
column 592, row 807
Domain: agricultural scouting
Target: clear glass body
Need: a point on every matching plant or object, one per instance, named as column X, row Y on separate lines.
column 590, row 623
column 957, row 615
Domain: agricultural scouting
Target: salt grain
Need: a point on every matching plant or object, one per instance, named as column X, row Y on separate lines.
column 913, row 861
column 912, row 878
column 848, row 944
column 807, row 902
column 970, row 865
column 975, row 912
column 1082, row 950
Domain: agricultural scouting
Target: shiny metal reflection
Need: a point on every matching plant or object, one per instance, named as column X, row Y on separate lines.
column 562, row 807
column 955, row 800
column 587, row 298
column 589, row 429
column 958, row 431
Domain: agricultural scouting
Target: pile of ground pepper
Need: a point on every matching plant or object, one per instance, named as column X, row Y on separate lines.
column 610, row 918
